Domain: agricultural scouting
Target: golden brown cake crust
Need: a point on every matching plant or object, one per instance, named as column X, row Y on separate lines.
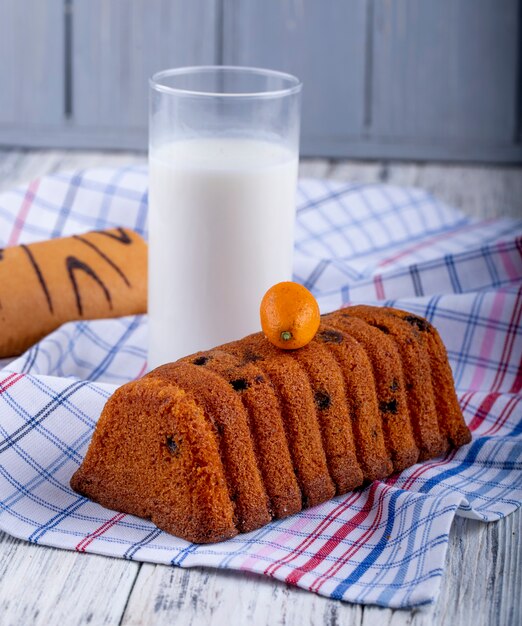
column 390, row 387
column 264, row 413
column 227, row 413
column 450, row 419
column 150, row 442
column 359, row 383
column 333, row 415
column 417, row 377
column 298, row 410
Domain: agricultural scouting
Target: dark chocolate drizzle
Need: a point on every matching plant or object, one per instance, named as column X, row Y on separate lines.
column 104, row 257
column 72, row 263
column 39, row 275
column 122, row 237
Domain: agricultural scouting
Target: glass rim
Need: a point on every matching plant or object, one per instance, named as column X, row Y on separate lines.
column 294, row 87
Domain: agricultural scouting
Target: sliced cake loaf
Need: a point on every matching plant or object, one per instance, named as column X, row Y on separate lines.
column 223, row 441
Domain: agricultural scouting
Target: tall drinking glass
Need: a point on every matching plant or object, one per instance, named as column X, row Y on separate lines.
column 223, row 158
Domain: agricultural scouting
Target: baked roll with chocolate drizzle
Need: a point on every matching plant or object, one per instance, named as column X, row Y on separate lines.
column 95, row 275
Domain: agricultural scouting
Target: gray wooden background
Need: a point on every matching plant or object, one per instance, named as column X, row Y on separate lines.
column 416, row 79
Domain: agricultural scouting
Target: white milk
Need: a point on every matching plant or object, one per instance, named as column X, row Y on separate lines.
column 221, row 230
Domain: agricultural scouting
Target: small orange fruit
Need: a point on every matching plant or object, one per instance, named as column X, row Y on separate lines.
column 290, row 315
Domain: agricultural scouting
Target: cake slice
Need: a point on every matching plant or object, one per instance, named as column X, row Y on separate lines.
column 226, row 412
column 298, row 411
column 266, row 425
column 359, row 387
column 417, row 376
column 450, row 419
column 390, row 387
column 333, row 414
column 154, row 454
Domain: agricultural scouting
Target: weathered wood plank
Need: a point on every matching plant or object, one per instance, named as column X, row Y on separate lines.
column 359, row 171
column 42, row 586
column 314, row 168
column 481, row 191
column 31, row 67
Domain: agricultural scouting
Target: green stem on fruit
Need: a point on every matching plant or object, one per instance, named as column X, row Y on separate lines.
column 286, row 335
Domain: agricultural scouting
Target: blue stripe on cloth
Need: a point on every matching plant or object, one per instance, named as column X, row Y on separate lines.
column 75, row 184
column 134, row 549
column 54, row 521
column 363, row 567
column 40, row 416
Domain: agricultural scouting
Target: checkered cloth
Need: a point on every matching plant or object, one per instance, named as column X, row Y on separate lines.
column 385, row 544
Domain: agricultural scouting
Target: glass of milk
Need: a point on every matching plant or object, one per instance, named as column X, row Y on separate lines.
column 223, row 159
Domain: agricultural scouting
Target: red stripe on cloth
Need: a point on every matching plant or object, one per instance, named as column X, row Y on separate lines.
column 511, row 269
column 142, row 371
column 338, row 537
column 4, row 386
column 484, row 409
column 86, row 541
column 19, row 221
column 504, row 416
column 429, row 242
column 352, row 550
column 379, row 288
column 488, row 340
column 298, row 550
column 517, row 383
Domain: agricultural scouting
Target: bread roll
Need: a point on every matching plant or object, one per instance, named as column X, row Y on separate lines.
column 43, row 285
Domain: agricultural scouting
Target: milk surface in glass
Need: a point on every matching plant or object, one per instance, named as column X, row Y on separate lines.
column 221, row 229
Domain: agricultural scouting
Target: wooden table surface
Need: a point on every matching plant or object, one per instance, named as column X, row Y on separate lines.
column 482, row 584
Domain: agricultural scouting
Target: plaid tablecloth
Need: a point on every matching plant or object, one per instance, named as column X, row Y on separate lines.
column 385, row 544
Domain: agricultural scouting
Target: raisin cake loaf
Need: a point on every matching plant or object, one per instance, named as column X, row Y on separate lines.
column 222, row 442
